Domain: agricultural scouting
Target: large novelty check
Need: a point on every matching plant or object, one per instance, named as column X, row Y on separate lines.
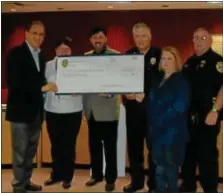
column 100, row 74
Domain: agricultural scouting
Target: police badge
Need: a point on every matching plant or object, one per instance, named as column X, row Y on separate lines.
column 153, row 60
column 219, row 66
column 203, row 62
column 65, row 63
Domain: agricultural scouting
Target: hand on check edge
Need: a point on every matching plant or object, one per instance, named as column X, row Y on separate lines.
column 49, row 87
column 130, row 96
column 139, row 97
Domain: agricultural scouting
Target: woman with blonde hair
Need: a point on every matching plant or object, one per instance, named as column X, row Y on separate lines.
column 167, row 117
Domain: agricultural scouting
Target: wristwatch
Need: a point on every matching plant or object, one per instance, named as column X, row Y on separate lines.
column 214, row 109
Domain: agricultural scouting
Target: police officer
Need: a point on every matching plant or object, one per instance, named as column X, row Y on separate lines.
column 102, row 113
column 204, row 71
column 136, row 111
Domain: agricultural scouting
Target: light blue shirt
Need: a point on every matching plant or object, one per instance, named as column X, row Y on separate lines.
column 60, row 103
column 35, row 54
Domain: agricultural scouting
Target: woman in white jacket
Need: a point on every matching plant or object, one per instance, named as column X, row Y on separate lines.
column 63, row 119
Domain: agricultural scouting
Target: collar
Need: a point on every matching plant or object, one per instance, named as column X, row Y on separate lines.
column 205, row 54
column 33, row 50
column 138, row 51
column 101, row 52
column 55, row 58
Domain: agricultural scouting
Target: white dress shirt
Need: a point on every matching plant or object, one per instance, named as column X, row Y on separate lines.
column 35, row 54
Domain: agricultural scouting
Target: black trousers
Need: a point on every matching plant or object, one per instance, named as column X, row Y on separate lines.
column 63, row 130
column 103, row 134
column 136, row 135
column 201, row 151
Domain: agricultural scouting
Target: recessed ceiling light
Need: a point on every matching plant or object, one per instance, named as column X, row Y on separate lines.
column 114, row 1
column 13, row 9
column 122, row 2
column 110, row 7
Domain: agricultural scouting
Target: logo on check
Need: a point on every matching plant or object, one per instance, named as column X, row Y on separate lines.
column 65, row 63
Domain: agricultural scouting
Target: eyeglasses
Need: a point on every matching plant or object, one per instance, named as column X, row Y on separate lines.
column 203, row 38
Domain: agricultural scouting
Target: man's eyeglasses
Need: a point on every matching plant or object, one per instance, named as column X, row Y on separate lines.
column 203, row 38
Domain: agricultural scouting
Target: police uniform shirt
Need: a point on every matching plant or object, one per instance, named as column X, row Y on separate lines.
column 151, row 70
column 205, row 75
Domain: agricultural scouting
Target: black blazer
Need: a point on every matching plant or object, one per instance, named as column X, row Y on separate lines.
column 24, row 82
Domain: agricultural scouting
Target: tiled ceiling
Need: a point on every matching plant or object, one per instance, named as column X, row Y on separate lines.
column 38, row 6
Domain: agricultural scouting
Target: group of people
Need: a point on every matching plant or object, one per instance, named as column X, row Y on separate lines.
column 178, row 115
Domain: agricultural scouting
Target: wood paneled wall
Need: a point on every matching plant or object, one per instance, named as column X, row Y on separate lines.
column 43, row 154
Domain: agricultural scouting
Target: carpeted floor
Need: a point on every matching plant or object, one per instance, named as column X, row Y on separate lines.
column 81, row 176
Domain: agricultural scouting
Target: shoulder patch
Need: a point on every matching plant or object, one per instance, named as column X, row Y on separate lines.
column 89, row 52
column 219, row 66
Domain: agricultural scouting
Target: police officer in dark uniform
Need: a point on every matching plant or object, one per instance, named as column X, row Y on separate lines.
column 204, row 71
column 136, row 111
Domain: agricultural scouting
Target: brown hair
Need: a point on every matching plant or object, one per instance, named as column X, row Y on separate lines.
column 176, row 54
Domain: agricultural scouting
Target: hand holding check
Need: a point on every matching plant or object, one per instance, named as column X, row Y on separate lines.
column 139, row 97
column 50, row 87
column 130, row 96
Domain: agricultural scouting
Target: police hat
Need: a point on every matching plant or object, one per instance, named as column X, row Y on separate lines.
column 67, row 41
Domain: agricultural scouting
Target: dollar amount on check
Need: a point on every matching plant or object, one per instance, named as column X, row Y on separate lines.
column 100, row 74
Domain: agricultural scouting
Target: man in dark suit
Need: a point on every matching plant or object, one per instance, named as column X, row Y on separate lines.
column 26, row 82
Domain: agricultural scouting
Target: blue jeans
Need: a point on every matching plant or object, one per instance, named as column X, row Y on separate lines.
column 168, row 159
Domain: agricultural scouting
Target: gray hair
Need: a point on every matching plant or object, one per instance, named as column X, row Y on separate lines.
column 141, row 25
